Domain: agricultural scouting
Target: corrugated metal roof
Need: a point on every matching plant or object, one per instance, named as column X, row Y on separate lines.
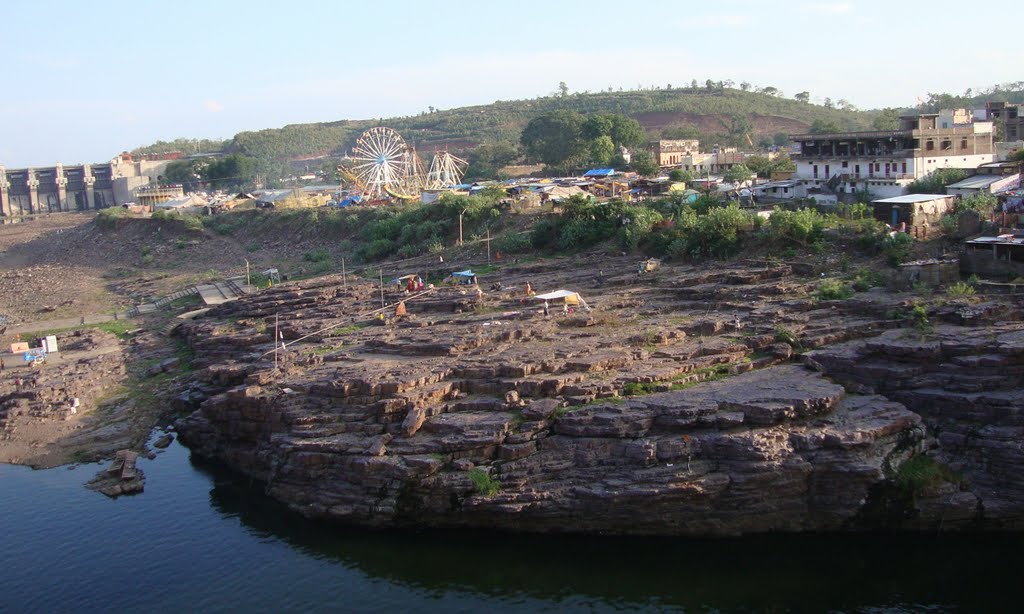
column 911, row 198
column 976, row 182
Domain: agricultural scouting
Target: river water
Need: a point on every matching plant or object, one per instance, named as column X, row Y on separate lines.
column 200, row 539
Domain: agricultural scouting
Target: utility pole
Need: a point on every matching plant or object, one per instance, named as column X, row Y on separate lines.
column 248, row 282
column 460, row 224
column 276, row 333
column 488, row 244
column 381, row 271
column 344, row 279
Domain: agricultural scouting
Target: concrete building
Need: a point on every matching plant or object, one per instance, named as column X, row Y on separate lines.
column 83, row 187
column 672, row 152
column 1009, row 118
column 157, row 194
column 885, row 162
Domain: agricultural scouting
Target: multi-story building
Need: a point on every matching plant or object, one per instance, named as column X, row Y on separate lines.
column 885, row 162
column 671, row 153
column 83, row 187
column 1008, row 117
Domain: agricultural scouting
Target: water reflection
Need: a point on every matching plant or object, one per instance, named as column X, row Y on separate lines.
column 776, row 573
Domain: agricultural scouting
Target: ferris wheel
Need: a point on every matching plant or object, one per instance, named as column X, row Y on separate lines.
column 382, row 159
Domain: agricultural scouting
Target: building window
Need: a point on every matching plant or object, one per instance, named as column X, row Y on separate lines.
column 963, row 143
column 930, row 145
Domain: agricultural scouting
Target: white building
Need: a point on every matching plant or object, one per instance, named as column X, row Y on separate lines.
column 885, row 162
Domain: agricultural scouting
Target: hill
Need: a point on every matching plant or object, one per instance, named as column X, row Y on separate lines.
column 707, row 113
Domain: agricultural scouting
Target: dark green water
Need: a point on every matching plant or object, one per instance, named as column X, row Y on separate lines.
column 200, row 540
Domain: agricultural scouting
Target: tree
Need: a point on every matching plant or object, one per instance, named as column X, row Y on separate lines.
column 1017, row 156
column 745, row 86
column 232, row 170
column 679, row 175
column 563, row 89
column 804, row 97
column 846, row 105
column 627, row 132
column 487, row 159
column 780, row 139
column 824, row 126
column 597, row 126
column 644, row 164
column 771, row 91
column 737, row 174
column 554, row 138
column 887, row 119
column 601, row 150
column 936, row 181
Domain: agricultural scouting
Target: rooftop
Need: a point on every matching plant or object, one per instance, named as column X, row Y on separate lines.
column 911, row 198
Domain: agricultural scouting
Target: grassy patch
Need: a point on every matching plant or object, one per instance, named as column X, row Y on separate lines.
column 833, row 290
column 923, row 475
column 483, row 483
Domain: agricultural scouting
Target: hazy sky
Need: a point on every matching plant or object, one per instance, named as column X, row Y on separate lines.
column 85, row 80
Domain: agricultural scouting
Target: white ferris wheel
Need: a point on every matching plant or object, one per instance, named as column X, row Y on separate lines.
column 382, row 161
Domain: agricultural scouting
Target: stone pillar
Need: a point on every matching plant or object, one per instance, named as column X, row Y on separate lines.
column 62, row 188
column 5, row 198
column 33, row 192
column 90, row 191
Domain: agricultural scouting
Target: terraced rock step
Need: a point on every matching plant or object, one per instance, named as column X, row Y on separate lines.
column 672, row 408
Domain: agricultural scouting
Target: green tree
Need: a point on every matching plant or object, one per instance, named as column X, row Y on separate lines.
column 627, row 132
column 563, row 89
column 1017, row 156
column 601, row 150
column 597, row 125
column 737, row 174
column 643, row 163
column 887, row 119
column 554, row 138
column 232, row 170
column 936, row 181
column 680, row 175
column 824, row 126
column 804, row 97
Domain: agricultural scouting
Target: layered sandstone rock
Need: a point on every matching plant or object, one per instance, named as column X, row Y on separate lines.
column 671, row 409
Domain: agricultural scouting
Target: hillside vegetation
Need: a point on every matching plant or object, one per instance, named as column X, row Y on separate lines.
column 703, row 111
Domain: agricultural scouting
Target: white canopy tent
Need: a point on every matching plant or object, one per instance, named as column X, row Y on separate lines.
column 570, row 297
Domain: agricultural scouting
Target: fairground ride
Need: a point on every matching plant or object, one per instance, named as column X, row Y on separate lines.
column 386, row 166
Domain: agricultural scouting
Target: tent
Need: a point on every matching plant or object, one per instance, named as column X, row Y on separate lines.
column 570, row 297
column 466, row 277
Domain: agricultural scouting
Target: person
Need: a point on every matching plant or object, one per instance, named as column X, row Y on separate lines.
column 2, row 365
column 419, row 283
column 565, row 309
column 546, row 311
column 529, row 290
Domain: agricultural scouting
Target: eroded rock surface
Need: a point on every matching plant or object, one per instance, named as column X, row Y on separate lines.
column 672, row 408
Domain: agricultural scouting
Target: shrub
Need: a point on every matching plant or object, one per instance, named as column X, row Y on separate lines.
column 865, row 279
column 376, row 250
column 833, row 290
column 923, row 475
column 483, row 483
column 960, row 289
column 802, row 226
column 514, row 243
column 897, row 247
column 784, row 335
column 319, row 254
column 107, row 218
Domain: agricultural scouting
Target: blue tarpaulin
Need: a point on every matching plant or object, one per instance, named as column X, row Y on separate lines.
column 599, row 172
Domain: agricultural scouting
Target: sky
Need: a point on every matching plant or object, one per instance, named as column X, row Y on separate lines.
column 86, row 80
